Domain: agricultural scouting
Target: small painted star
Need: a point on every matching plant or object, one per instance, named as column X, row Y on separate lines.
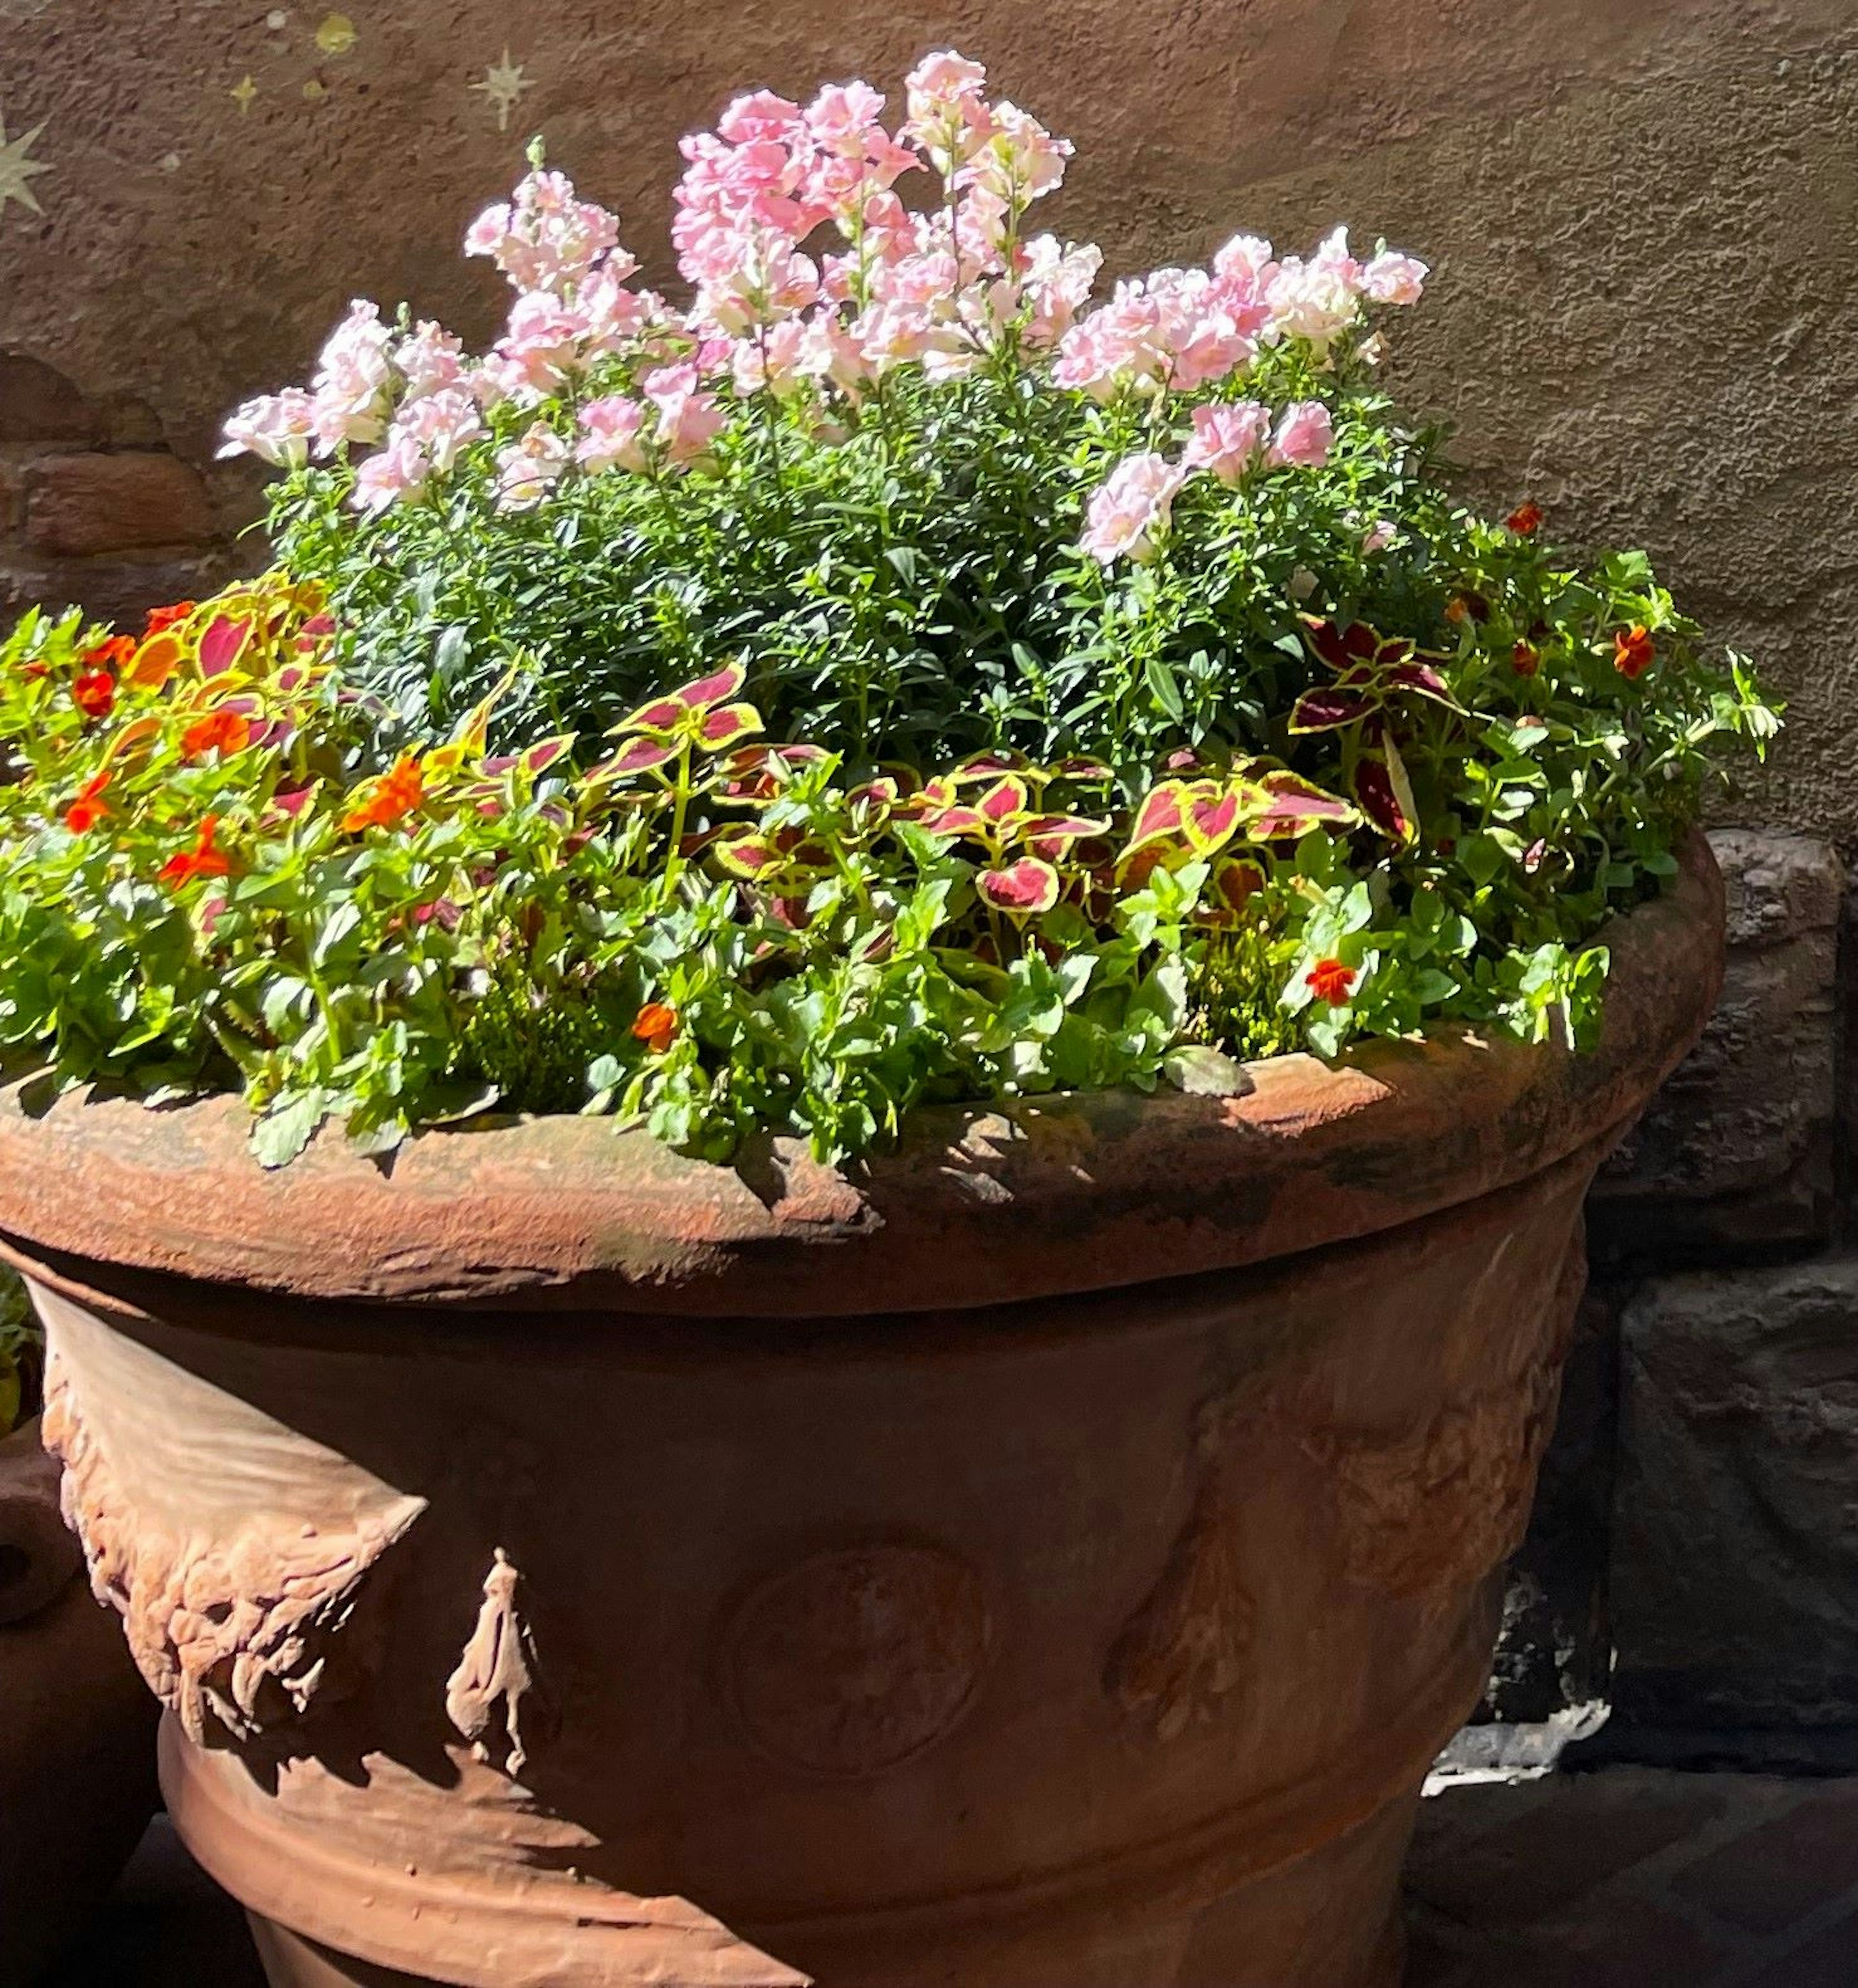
column 504, row 83
column 315, row 90
column 241, row 93
column 276, row 19
column 336, row 35
column 16, row 169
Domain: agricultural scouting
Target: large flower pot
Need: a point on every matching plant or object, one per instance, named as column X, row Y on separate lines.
column 77, row 1731
column 1050, row 1559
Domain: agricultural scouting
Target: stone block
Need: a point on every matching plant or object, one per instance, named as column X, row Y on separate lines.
column 1734, row 1160
column 80, row 505
column 1734, row 1570
column 38, row 404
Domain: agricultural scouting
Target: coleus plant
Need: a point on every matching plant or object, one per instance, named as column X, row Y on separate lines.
column 886, row 673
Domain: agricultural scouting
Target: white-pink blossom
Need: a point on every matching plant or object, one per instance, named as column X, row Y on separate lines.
column 397, row 471
column 429, row 359
column 275, row 427
column 689, row 419
column 544, row 238
column 530, row 467
column 609, row 433
column 1057, row 279
column 441, row 425
column 1131, row 509
column 542, row 349
column 1306, row 434
column 1228, row 437
column 354, row 375
column 948, row 113
column 1393, row 278
column 1020, row 160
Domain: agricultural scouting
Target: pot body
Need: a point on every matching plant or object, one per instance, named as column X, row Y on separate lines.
column 1100, row 1642
column 77, row 1730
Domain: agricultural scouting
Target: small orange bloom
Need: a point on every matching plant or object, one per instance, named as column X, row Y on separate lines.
column 1456, row 609
column 88, row 808
column 1525, row 659
column 220, row 731
column 656, row 1026
column 1525, row 520
column 1330, row 981
column 203, row 860
column 110, row 655
column 395, row 795
column 1633, row 652
column 94, row 692
column 160, row 618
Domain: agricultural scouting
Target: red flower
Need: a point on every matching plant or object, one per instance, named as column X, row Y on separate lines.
column 1525, row 520
column 656, row 1026
column 111, row 655
column 1525, row 659
column 203, row 860
column 1633, row 652
column 220, row 731
column 161, row 618
column 94, row 692
column 395, row 795
column 1330, row 981
column 88, row 808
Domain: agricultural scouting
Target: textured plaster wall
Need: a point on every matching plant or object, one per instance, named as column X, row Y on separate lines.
column 1644, row 215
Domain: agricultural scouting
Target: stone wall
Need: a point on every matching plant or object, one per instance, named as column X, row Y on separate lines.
column 1643, row 223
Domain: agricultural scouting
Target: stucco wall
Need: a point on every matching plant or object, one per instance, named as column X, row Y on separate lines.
column 1644, row 215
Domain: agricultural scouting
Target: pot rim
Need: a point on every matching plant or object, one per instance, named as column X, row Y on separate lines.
column 980, row 1204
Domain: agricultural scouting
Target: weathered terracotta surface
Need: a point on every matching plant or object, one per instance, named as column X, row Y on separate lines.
column 910, row 1583
column 77, row 1732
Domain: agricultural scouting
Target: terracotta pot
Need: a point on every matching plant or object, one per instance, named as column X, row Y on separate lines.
column 1049, row 1560
column 77, row 1730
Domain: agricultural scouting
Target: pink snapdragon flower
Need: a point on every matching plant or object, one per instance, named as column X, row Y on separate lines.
column 1304, row 436
column 1018, row 162
column 609, row 435
column 1393, row 278
column 529, row 468
column 1317, row 300
column 429, row 359
column 544, row 238
column 398, row 470
column 1130, row 509
column 750, row 277
column 352, row 388
column 689, row 420
column 542, row 349
column 1057, row 279
column 1246, row 258
column 773, row 358
column 1172, row 328
column 1228, row 437
column 441, row 425
column 275, row 427
column 949, row 117
column 1378, row 536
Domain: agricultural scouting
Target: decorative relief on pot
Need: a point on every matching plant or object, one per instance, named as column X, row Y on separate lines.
column 496, row 1674
column 1183, row 1652
column 855, row 1661
column 236, row 1552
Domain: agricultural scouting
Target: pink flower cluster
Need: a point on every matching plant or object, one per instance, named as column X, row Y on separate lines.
column 811, row 280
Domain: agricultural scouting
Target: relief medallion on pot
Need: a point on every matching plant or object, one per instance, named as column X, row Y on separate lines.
column 1182, row 1653
column 855, row 1661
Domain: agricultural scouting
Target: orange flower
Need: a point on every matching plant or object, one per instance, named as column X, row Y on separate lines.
column 160, row 618
column 656, row 1026
column 1525, row 520
column 1525, row 659
column 395, row 796
column 1456, row 609
column 220, row 731
column 111, row 655
column 94, row 692
column 88, row 808
column 203, row 860
column 1330, row 981
column 1633, row 652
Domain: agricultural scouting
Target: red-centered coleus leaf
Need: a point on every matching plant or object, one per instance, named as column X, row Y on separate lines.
column 1089, row 771
column 1339, row 647
column 1159, row 815
column 1022, row 889
column 954, row 821
column 1292, row 806
column 1004, row 800
column 937, row 792
column 1051, row 835
column 292, row 678
column 543, row 754
column 724, row 727
column 222, row 644
column 1183, row 759
column 636, row 756
column 1328, row 707
column 666, row 713
column 876, row 947
column 1423, row 680
column 1385, row 793
column 292, row 804
column 988, row 766
column 1236, row 880
column 1209, row 814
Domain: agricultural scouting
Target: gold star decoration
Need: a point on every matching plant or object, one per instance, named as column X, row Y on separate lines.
column 336, row 35
column 315, row 90
column 241, row 93
column 504, row 83
column 16, row 169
